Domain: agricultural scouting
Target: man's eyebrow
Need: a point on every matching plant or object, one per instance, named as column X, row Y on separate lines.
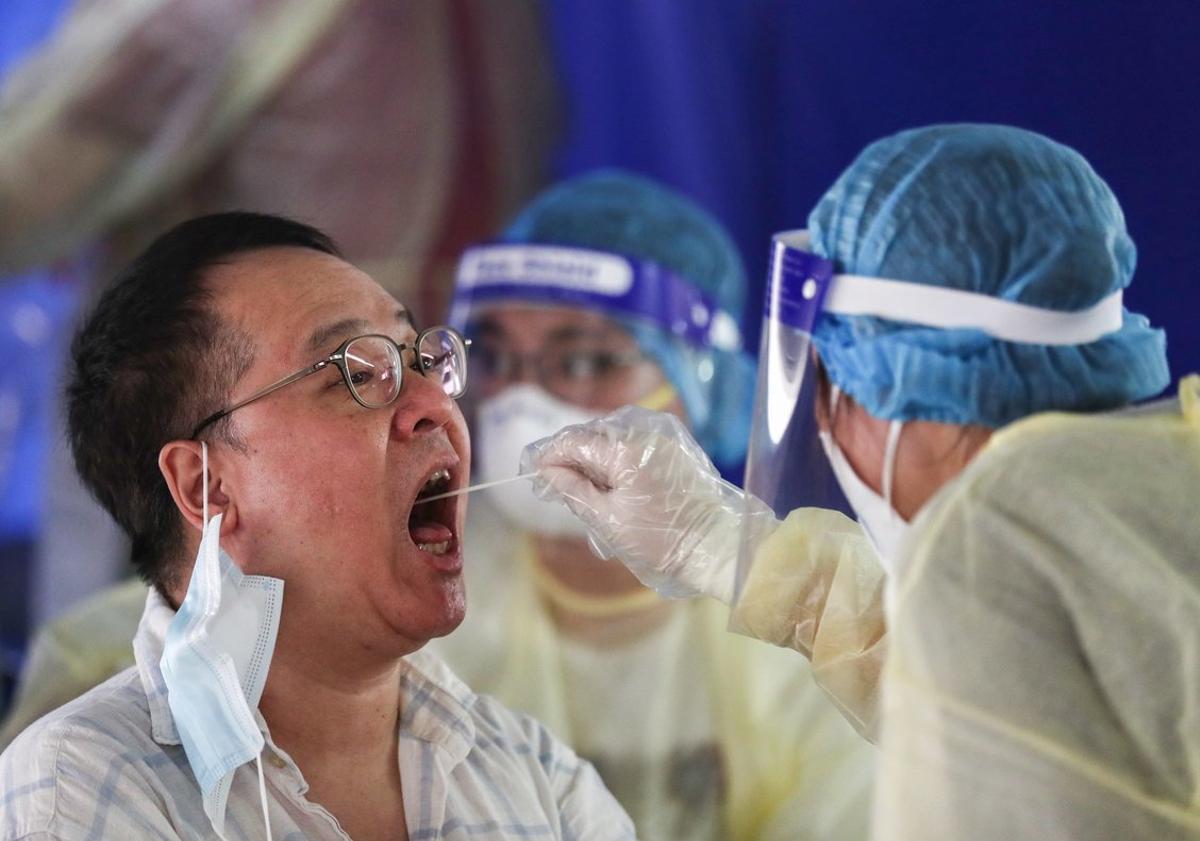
column 323, row 335
column 320, row 338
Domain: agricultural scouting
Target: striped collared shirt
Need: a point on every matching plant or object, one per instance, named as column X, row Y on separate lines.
column 110, row 765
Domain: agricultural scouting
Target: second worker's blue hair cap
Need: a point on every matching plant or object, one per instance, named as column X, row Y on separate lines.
column 623, row 213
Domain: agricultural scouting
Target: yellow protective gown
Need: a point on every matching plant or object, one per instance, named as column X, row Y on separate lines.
column 1044, row 673
column 816, row 586
column 699, row 733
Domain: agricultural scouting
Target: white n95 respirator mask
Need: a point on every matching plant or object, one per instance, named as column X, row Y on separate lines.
column 504, row 425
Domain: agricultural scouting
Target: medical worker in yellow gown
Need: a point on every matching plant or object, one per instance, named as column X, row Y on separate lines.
column 1026, row 584
column 607, row 290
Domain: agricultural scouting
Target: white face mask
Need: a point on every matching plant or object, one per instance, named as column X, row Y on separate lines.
column 215, row 659
column 517, row 416
column 883, row 525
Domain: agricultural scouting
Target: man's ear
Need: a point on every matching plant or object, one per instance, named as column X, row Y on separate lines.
column 182, row 466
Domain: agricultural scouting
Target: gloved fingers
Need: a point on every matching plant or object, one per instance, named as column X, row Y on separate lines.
column 569, row 484
column 658, row 446
column 648, row 495
column 615, row 449
column 584, row 449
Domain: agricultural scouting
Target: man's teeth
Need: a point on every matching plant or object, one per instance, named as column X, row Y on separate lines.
column 435, row 548
column 434, row 482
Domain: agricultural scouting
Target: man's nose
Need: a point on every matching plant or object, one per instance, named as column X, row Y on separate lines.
column 421, row 407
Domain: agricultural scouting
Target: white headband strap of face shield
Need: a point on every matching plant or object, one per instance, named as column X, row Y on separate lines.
column 950, row 309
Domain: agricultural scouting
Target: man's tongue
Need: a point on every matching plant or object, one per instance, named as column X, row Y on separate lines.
column 428, row 531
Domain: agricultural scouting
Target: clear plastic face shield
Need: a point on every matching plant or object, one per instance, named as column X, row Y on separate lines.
column 647, row 305
column 616, row 285
column 787, row 466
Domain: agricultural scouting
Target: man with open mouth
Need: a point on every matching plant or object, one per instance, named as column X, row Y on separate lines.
column 262, row 418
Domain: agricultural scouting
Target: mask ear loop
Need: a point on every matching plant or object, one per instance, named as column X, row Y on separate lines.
column 889, row 449
column 204, row 463
column 889, row 464
column 262, row 793
column 262, row 782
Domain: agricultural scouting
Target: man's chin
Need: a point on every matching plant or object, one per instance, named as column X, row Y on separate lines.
column 452, row 608
column 428, row 605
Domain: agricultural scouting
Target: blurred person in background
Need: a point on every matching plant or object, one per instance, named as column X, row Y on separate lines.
column 405, row 129
column 610, row 289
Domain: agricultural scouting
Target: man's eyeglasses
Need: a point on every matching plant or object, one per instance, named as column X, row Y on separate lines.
column 373, row 369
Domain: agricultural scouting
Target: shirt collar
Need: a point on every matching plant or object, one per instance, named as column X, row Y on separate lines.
column 436, row 705
column 148, row 645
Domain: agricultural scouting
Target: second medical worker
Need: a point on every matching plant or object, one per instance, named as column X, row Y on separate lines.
column 608, row 290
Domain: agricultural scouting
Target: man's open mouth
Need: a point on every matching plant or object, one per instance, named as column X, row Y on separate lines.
column 431, row 524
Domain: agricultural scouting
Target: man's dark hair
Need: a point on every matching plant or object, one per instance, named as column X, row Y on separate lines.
column 150, row 361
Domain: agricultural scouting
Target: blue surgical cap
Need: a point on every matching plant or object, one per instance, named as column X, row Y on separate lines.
column 616, row 211
column 989, row 209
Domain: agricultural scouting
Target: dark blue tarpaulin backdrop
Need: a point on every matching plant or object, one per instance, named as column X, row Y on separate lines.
column 34, row 311
column 754, row 106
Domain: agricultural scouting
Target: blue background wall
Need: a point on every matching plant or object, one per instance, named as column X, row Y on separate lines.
column 35, row 310
column 754, row 106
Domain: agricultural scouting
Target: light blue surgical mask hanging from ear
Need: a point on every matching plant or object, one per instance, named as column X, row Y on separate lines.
column 215, row 659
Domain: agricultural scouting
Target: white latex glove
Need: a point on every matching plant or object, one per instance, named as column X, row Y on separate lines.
column 651, row 498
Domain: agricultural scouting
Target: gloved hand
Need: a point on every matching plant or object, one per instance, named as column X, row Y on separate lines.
column 651, row 498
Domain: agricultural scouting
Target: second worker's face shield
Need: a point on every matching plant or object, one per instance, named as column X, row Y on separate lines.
column 562, row 335
column 795, row 404
column 638, row 311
